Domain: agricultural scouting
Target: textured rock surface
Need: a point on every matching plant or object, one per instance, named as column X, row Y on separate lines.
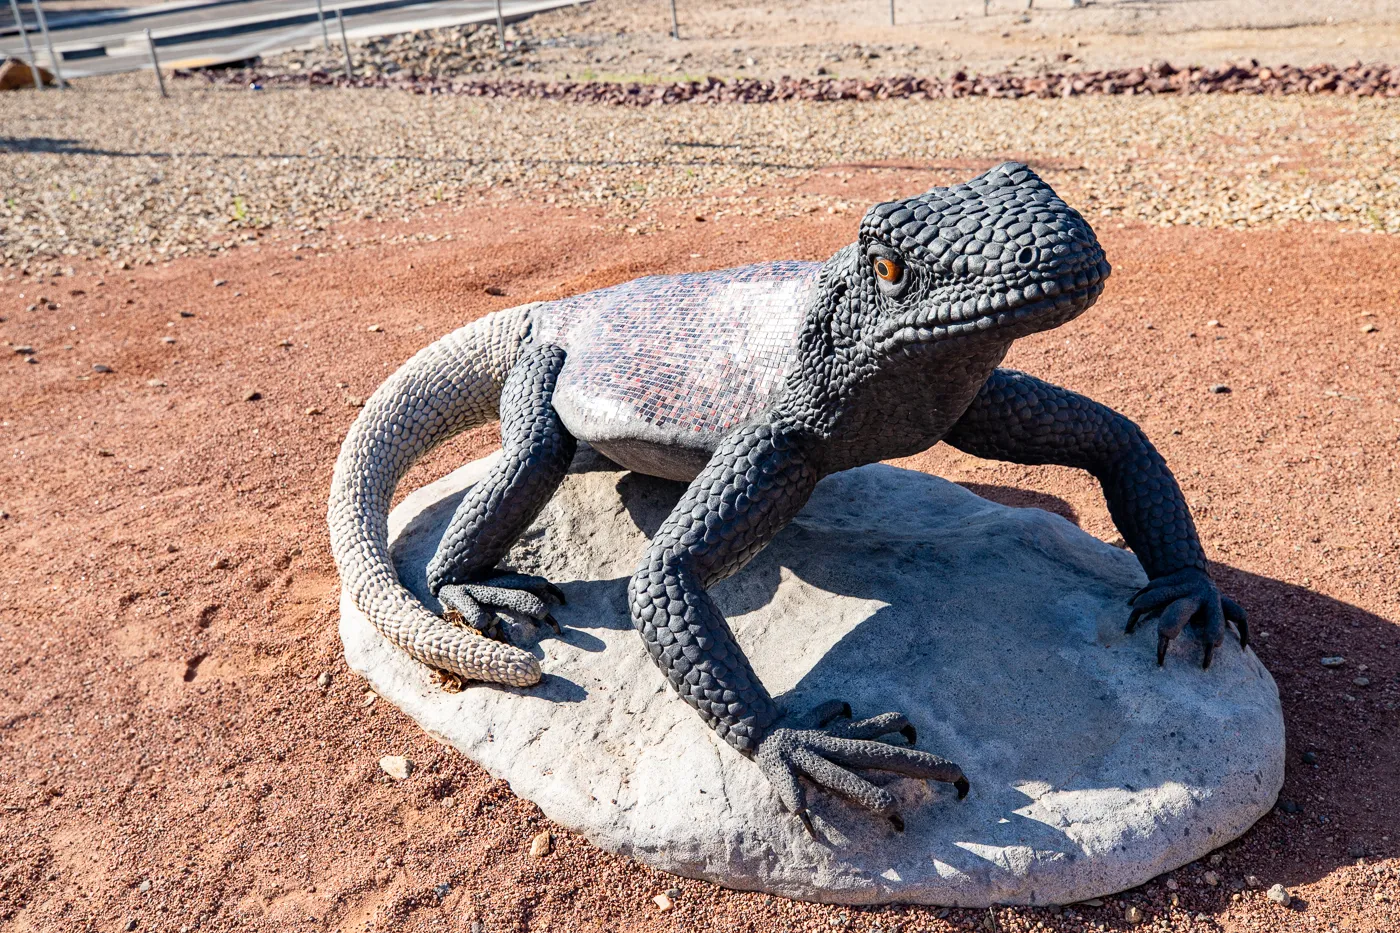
column 997, row 630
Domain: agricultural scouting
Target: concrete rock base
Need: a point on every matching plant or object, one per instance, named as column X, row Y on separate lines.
column 998, row 631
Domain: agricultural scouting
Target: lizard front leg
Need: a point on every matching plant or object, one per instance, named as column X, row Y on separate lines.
column 536, row 450
column 1022, row 419
column 755, row 483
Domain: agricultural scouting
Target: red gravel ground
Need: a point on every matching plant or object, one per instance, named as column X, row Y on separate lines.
column 167, row 600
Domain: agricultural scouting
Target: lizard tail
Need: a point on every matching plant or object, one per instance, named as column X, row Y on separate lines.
column 448, row 387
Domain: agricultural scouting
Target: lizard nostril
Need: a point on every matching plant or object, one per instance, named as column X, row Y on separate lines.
column 1026, row 255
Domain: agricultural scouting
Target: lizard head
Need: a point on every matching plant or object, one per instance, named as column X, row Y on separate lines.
column 1000, row 254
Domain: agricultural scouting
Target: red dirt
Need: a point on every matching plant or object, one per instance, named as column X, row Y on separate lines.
column 167, row 599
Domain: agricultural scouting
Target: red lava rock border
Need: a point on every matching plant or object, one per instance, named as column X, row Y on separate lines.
column 1356, row 80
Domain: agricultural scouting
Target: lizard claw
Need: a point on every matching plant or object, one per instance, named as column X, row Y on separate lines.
column 806, row 819
column 1187, row 597
column 828, row 757
column 518, row 594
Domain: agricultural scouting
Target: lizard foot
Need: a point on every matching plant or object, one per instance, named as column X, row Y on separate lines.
column 1187, row 597
column 520, row 594
column 826, row 755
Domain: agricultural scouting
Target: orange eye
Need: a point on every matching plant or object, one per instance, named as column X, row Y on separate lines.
column 888, row 269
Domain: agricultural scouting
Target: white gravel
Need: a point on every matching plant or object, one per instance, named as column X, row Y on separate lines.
column 113, row 171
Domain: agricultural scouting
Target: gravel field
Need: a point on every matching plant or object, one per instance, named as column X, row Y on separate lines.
column 113, row 172
column 613, row 39
column 185, row 747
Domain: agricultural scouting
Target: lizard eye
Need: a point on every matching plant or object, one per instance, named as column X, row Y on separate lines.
column 888, row 270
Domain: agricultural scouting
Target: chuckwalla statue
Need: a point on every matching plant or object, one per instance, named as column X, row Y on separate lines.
column 752, row 384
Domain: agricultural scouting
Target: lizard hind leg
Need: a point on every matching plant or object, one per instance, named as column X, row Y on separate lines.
column 536, row 450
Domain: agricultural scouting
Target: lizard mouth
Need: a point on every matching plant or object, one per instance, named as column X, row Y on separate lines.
column 1038, row 305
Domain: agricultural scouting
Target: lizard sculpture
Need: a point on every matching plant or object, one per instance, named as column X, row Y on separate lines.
column 752, row 384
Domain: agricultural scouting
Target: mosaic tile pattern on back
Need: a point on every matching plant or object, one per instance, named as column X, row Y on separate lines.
column 699, row 353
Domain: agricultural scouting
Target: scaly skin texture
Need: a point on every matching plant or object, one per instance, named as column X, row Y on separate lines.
column 895, row 349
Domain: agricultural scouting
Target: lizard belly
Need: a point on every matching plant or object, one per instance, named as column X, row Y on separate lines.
column 659, row 370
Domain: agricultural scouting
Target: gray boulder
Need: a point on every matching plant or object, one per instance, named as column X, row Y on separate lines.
column 998, row 631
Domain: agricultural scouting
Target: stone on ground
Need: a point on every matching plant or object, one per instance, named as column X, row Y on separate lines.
column 16, row 75
column 998, row 631
column 396, row 766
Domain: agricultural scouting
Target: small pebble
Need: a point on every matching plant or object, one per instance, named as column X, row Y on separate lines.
column 130, row 925
column 1309, row 758
column 144, row 886
column 156, row 383
column 396, row 766
column 284, row 342
column 1220, row 389
column 1337, row 661
column 24, row 349
column 1279, row 895
column 1093, row 902
column 1133, row 915
column 1369, row 328
column 313, row 410
column 167, row 339
column 370, row 697
column 218, row 282
column 101, row 368
column 663, row 902
column 1216, row 859
column 495, row 290
column 1172, row 884
column 1361, row 681
column 324, row 680
column 442, row 890
column 186, row 314
column 1211, row 878
column 541, row 845
column 1252, row 881
column 219, row 563
column 374, row 328
column 252, row 395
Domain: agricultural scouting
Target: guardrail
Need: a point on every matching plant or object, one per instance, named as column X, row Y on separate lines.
column 131, row 52
column 143, row 48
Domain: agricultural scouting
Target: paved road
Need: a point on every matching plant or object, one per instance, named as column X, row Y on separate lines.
column 189, row 34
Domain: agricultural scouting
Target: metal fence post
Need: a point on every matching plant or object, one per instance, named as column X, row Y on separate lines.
column 321, row 18
column 44, row 28
column 675, row 23
column 28, row 49
column 155, row 63
column 345, row 44
column 500, row 25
